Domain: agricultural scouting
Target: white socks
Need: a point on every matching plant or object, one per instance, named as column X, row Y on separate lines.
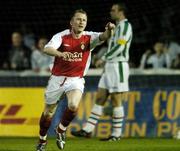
column 96, row 112
column 117, row 121
column 43, row 137
column 62, row 127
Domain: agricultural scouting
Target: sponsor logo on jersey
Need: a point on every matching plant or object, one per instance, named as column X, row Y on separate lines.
column 74, row 57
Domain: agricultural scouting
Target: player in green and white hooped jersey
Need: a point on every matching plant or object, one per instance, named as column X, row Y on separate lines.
column 114, row 80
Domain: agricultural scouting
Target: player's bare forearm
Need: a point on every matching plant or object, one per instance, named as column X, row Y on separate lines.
column 52, row 52
column 105, row 35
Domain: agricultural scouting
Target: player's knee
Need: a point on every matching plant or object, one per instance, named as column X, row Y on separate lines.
column 49, row 112
column 73, row 107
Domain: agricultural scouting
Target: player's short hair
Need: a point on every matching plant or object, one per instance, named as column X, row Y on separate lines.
column 78, row 11
column 121, row 7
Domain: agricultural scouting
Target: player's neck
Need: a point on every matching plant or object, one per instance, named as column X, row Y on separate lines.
column 76, row 35
column 120, row 19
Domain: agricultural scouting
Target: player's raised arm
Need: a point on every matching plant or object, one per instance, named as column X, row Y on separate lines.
column 98, row 38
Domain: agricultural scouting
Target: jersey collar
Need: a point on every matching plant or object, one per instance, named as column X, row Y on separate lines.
column 120, row 22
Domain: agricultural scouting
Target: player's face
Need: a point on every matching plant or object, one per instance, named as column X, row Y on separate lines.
column 79, row 22
column 115, row 13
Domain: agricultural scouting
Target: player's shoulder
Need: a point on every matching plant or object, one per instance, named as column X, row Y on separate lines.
column 125, row 22
column 128, row 23
column 62, row 33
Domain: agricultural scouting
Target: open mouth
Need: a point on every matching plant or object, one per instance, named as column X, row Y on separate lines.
column 81, row 26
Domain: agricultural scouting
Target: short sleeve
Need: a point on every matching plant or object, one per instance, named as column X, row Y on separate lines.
column 55, row 41
column 94, row 41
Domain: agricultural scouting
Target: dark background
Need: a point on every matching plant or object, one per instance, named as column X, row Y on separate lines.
column 151, row 20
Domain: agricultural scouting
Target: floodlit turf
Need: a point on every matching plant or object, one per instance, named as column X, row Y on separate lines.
column 76, row 144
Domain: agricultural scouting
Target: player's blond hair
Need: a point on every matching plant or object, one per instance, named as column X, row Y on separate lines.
column 79, row 11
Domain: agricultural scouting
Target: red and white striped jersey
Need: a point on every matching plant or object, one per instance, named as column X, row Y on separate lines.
column 77, row 64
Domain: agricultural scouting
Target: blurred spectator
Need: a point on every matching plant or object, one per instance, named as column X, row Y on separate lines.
column 160, row 59
column 19, row 55
column 28, row 36
column 39, row 60
column 145, row 57
column 176, row 62
column 172, row 49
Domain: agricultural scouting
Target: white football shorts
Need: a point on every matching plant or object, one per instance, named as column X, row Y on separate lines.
column 58, row 85
column 115, row 77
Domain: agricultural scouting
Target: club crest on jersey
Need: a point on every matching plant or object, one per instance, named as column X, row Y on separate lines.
column 82, row 46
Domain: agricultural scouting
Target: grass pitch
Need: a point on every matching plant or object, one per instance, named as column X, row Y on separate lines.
column 80, row 144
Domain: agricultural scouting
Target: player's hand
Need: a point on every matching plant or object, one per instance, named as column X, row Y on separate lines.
column 99, row 63
column 67, row 54
column 110, row 26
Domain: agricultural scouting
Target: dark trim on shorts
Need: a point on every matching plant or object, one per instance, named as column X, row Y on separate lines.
column 121, row 75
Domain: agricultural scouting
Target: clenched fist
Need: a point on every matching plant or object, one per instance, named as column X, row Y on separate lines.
column 110, row 26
